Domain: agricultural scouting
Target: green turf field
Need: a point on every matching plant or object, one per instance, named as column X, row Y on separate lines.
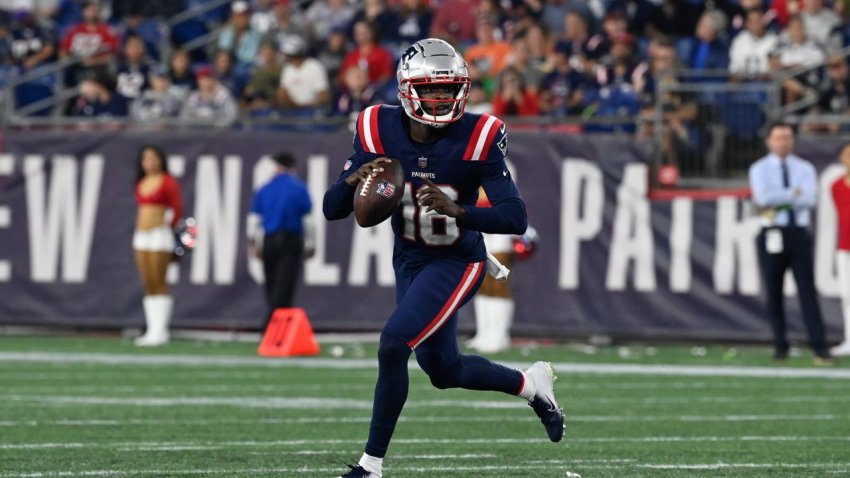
column 99, row 407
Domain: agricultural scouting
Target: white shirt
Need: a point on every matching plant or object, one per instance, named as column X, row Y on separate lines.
column 808, row 53
column 749, row 54
column 304, row 83
column 769, row 190
column 820, row 25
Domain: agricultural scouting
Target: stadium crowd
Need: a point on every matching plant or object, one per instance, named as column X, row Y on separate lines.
column 321, row 58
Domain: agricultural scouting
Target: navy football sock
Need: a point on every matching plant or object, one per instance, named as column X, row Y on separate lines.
column 471, row 372
column 390, row 393
column 478, row 373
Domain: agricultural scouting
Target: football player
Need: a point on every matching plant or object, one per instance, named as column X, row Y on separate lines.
column 439, row 256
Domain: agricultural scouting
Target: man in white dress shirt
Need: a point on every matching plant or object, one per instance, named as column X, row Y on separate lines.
column 784, row 190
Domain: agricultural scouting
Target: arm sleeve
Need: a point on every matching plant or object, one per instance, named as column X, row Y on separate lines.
column 763, row 195
column 338, row 202
column 507, row 214
column 808, row 189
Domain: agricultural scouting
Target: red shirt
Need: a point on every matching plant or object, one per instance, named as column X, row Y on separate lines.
column 378, row 63
column 85, row 41
column 841, row 198
column 528, row 107
column 167, row 195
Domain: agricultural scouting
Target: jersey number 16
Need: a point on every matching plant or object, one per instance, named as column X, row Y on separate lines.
column 431, row 228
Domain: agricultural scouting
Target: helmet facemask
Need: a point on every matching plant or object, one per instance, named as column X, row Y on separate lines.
column 437, row 112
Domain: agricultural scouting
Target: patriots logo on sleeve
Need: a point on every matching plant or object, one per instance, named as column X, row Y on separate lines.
column 503, row 144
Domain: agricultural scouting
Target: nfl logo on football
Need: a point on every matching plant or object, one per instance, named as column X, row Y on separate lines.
column 422, row 162
column 386, row 189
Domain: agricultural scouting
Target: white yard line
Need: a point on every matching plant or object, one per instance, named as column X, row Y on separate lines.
column 330, row 363
column 430, row 419
column 142, row 446
column 312, row 403
column 579, row 465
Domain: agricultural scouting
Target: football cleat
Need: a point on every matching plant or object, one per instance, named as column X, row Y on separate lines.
column 544, row 403
column 359, row 472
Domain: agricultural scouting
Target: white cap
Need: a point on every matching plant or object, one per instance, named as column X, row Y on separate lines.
column 239, row 7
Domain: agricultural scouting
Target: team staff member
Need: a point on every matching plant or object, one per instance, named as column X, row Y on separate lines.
column 158, row 196
column 841, row 198
column 277, row 223
column 784, row 189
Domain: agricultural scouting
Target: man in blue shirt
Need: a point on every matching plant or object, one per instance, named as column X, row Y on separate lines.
column 784, row 190
column 277, row 224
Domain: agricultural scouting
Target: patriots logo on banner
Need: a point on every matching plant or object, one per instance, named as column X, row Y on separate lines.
column 386, row 189
column 422, row 162
column 347, row 165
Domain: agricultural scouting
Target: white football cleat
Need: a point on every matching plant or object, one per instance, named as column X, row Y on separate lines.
column 841, row 350
column 544, row 403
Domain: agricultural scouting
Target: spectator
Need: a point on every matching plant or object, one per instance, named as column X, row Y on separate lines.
column 576, row 29
column 640, row 15
column 795, row 50
column 820, row 24
column 708, row 50
column 134, row 69
column 261, row 92
column 750, row 51
column 162, row 100
column 562, row 90
column 554, row 13
column 385, row 21
column 325, row 15
column 304, row 80
column 623, row 67
column 356, row 94
column 150, row 30
column 369, row 55
column 211, row 103
column 414, row 21
column 180, row 71
column 99, row 98
column 533, row 68
column 225, row 71
column 454, row 22
column 488, row 56
column 286, row 23
column 513, row 98
column 834, row 97
column 92, row 41
column 262, row 16
column 30, row 44
column 238, row 37
column 679, row 137
column 785, row 190
column 334, row 51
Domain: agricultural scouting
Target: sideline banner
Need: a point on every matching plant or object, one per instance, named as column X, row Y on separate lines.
column 609, row 262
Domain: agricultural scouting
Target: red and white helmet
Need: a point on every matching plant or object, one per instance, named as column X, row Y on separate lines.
column 428, row 62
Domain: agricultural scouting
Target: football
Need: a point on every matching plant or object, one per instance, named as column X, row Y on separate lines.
column 377, row 197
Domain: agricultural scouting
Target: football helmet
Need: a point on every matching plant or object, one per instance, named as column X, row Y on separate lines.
column 432, row 62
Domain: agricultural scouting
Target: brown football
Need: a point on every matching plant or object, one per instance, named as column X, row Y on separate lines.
column 377, row 198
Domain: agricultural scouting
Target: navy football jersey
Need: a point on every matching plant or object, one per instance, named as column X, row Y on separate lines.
column 471, row 153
